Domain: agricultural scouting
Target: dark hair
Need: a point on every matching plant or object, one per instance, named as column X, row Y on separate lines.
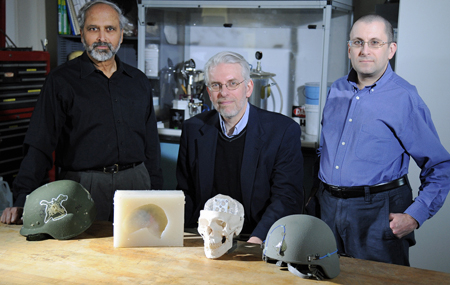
column 82, row 13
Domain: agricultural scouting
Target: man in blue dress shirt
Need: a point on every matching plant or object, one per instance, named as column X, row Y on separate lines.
column 373, row 122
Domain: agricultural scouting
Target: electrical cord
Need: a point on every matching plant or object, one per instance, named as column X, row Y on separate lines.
column 281, row 95
column 8, row 38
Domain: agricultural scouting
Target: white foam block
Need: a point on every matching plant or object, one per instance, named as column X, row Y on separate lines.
column 148, row 218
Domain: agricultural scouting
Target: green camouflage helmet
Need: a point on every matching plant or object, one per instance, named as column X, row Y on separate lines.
column 62, row 209
column 306, row 244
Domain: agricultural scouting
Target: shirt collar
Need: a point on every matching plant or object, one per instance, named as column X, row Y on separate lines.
column 239, row 126
column 353, row 77
column 87, row 66
column 386, row 76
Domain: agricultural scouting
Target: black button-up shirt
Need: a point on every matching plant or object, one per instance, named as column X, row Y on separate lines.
column 91, row 121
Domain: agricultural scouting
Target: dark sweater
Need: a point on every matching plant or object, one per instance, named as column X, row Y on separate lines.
column 227, row 168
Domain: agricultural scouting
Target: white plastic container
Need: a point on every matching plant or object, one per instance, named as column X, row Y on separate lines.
column 312, row 93
column 151, row 60
column 312, row 119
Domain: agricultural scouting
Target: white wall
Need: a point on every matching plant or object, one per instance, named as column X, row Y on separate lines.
column 25, row 22
column 423, row 60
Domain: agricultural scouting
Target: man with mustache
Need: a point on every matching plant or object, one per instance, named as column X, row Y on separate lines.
column 96, row 113
column 373, row 122
column 239, row 150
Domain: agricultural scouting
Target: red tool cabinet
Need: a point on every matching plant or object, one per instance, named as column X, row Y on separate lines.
column 22, row 75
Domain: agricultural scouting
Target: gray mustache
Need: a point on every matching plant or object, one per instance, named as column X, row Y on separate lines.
column 96, row 44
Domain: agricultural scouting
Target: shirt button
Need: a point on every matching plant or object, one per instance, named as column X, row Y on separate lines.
column 357, row 97
column 337, row 166
column 371, row 90
column 343, row 143
column 350, row 120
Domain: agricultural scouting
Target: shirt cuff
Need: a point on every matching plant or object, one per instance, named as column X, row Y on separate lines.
column 418, row 211
column 20, row 200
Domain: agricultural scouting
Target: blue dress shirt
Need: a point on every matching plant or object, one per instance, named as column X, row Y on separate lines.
column 369, row 135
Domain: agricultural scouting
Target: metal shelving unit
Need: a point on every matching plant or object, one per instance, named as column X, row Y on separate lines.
column 304, row 40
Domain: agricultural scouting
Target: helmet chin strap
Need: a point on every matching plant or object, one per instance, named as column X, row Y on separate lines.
column 311, row 272
column 38, row 237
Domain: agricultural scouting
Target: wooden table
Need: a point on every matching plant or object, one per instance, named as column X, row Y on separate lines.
column 91, row 258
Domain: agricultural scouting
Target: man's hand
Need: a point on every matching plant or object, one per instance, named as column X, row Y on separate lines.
column 256, row 240
column 402, row 224
column 12, row 215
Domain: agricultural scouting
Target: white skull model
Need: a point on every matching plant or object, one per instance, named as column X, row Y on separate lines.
column 221, row 219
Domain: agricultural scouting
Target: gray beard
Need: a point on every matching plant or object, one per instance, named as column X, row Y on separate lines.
column 102, row 55
column 228, row 115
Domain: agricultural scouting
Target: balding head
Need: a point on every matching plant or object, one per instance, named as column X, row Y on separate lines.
column 376, row 18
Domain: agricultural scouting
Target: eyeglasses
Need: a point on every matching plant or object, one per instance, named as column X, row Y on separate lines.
column 371, row 44
column 231, row 85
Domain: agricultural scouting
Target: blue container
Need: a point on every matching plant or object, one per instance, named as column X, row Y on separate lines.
column 312, row 93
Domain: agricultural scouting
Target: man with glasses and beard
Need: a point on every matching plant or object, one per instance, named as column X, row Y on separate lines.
column 96, row 113
column 239, row 150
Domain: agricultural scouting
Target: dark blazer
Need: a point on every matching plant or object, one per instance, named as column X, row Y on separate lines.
column 271, row 172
